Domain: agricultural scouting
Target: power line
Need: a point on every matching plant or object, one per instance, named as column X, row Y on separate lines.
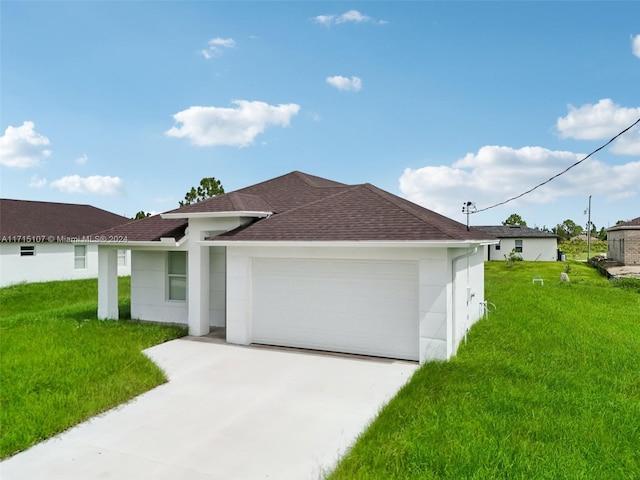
column 561, row 173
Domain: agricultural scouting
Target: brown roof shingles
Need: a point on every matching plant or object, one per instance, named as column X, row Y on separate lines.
column 310, row 208
column 150, row 229
column 53, row 221
column 359, row 213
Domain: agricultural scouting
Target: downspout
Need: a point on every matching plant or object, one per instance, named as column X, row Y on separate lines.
column 468, row 254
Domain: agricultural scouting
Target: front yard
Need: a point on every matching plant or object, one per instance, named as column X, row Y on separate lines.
column 548, row 387
column 60, row 366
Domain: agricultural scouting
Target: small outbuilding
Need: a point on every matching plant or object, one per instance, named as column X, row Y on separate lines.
column 530, row 243
column 623, row 242
column 303, row 261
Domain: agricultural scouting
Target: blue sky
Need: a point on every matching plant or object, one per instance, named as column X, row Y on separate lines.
column 127, row 105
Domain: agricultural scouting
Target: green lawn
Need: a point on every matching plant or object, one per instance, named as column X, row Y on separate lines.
column 547, row 388
column 60, row 366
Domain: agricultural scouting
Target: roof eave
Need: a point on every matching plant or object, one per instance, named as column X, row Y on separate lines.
column 350, row 243
column 235, row 213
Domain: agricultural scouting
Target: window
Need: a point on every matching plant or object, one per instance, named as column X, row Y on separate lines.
column 498, row 246
column 80, row 256
column 177, row 277
column 27, row 250
column 122, row 258
column 519, row 246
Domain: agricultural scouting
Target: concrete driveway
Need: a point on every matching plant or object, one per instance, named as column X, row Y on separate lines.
column 227, row 412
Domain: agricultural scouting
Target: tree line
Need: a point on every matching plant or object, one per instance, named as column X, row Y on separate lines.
column 565, row 230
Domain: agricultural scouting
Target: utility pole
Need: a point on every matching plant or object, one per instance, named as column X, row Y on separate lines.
column 588, row 212
column 468, row 208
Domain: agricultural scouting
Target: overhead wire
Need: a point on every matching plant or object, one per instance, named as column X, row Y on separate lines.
column 561, row 173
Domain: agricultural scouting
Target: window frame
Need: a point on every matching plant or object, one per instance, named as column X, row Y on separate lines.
column 171, row 276
column 27, row 250
column 518, row 245
column 77, row 257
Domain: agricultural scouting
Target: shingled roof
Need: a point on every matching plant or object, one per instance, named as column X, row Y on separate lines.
column 514, row 231
column 52, row 221
column 630, row 225
column 304, row 207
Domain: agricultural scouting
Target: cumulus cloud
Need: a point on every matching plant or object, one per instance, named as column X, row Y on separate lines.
column 23, row 147
column 208, row 126
column 602, row 121
column 82, row 160
column 345, row 84
column 37, row 182
column 635, row 45
column 95, row 184
column 217, row 46
column 352, row 16
column 496, row 173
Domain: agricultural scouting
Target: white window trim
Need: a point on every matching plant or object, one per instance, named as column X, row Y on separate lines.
column 177, row 275
column 77, row 257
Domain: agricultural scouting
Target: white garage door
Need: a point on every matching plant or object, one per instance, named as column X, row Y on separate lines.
column 365, row 307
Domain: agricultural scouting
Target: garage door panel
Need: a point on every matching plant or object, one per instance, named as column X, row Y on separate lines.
column 366, row 307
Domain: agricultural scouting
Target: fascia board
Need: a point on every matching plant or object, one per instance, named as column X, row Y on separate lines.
column 386, row 244
column 243, row 213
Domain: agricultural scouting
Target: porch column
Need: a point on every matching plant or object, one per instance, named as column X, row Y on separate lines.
column 107, row 283
column 198, row 288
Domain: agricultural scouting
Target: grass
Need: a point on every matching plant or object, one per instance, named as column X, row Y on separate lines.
column 60, row 365
column 548, row 387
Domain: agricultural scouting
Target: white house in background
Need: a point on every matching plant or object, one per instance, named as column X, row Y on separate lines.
column 530, row 243
column 44, row 241
column 306, row 262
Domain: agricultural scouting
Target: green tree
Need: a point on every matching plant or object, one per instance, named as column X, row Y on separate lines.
column 602, row 234
column 567, row 230
column 209, row 187
column 141, row 214
column 514, row 219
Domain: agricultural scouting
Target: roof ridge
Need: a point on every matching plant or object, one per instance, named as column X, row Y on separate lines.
column 403, row 204
column 345, row 189
column 236, row 199
column 309, row 180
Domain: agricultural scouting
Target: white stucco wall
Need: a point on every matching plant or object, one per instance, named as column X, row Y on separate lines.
column 436, row 328
column 533, row 249
column 52, row 261
column 149, row 297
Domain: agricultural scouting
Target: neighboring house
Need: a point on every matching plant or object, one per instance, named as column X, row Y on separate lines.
column 307, row 262
column 530, row 243
column 623, row 242
column 44, row 241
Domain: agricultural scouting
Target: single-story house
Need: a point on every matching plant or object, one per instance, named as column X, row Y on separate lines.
column 306, row 262
column 45, row 241
column 623, row 242
column 529, row 243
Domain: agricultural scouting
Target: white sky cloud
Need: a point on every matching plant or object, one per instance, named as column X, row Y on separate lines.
column 352, row 16
column 496, row 173
column 208, row 126
column 23, row 147
column 602, row 121
column 635, row 45
column 37, row 182
column 216, row 47
column 82, row 160
column 95, row 184
column 345, row 84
